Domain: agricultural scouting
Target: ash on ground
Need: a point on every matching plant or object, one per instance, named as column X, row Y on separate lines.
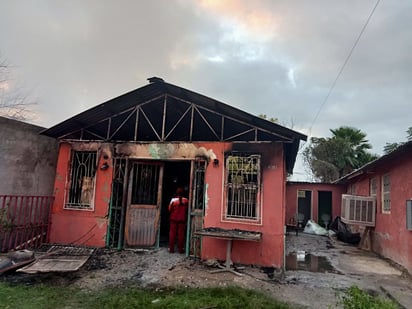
column 160, row 269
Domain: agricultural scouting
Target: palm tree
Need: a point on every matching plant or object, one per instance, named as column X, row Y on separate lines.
column 334, row 157
column 354, row 148
column 389, row 147
column 409, row 132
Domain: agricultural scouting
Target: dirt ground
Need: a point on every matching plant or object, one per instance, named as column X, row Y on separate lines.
column 333, row 266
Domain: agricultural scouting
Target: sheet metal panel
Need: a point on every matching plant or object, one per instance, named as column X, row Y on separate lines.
column 142, row 223
column 59, row 259
column 143, row 212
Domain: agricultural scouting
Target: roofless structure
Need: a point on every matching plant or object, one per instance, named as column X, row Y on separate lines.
column 121, row 161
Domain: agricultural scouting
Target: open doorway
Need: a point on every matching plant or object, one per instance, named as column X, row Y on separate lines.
column 176, row 174
column 304, row 206
column 324, row 208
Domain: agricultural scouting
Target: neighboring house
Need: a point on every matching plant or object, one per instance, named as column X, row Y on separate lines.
column 28, row 159
column 320, row 202
column 120, row 163
column 379, row 196
column 27, row 173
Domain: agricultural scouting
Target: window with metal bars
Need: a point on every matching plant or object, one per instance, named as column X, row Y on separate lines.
column 82, row 180
column 242, row 186
column 386, row 193
column 372, row 186
column 145, row 183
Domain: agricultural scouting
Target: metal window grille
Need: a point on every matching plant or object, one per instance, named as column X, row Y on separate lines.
column 117, row 204
column 145, row 183
column 199, row 185
column 372, row 187
column 242, row 187
column 386, row 193
column 82, row 180
column 197, row 209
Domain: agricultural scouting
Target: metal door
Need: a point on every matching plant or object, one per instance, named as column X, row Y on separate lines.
column 197, row 208
column 144, row 201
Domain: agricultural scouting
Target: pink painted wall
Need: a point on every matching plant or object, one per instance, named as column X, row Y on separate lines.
column 390, row 238
column 80, row 227
column 269, row 251
column 83, row 227
column 292, row 189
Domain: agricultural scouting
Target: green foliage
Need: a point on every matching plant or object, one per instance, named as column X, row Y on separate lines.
column 271, row 119
column 355, row 298
column 334, row 157
column 42, row 296
column 389, row 147
column 409, row 134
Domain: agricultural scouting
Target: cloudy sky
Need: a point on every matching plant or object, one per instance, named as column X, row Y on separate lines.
column 278, row 58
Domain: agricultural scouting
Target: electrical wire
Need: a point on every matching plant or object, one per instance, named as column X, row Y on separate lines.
column 343, row 67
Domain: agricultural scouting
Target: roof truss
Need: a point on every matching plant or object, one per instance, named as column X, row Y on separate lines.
column 168, row 118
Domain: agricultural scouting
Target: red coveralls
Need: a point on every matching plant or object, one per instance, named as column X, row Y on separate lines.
column 178, row 213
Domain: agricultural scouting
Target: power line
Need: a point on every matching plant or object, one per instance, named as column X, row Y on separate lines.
column 343, row 66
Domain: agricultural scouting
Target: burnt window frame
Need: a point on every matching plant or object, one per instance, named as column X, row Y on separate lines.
column 244, row 184
column 74, row 197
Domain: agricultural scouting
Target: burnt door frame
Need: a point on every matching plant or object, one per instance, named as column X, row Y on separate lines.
column 197, row 207
column 142, row 222
column 118, row 203
column 177, row 174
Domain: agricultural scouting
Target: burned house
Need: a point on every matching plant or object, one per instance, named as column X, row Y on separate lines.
column 120, row 162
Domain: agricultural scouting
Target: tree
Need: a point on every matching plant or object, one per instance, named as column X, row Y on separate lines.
column 389, row 147
column 14, row 102
column 271, row 119
column 332, row 158
column 409, row 132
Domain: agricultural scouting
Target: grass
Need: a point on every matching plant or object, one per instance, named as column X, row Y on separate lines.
column 55, row 297
column 45, row 297
column 355, row 298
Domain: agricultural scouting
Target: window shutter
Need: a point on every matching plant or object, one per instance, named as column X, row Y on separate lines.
column 409, row 215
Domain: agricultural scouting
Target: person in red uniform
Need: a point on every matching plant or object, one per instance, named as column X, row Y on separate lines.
column 177, row 215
